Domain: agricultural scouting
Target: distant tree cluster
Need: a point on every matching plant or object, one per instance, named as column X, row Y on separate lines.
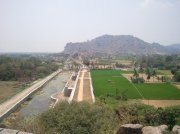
column 159, row 61
column 24, row 69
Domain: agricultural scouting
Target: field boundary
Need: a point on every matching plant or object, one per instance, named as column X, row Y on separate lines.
column 135, row 88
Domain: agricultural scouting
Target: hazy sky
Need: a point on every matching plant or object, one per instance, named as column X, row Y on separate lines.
column 47, row 25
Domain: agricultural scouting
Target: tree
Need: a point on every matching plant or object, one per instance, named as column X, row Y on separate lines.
column 136, row 74
column 154, row 73
column 177, row 76
column 148, row 73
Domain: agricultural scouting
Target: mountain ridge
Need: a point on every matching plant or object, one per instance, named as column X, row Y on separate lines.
column 119, row 44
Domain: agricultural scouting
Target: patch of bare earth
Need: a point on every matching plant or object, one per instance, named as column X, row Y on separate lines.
column 8, row 88
column 87, row 91
column 86, row 75
column 76, row 91
column 83, row 90
column 161, row 103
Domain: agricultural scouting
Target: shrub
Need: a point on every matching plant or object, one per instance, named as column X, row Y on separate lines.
column 78, row 118
column 137, row 80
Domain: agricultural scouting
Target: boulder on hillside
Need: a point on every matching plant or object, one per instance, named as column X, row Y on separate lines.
column 130, row 129
column 176, row 129
column 155, row 130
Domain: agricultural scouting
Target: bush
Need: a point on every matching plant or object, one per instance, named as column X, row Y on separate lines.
column 77, row 118
column 177, row 76
column 137, row 80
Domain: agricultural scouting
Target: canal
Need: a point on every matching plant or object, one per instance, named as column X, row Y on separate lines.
column 41, row 100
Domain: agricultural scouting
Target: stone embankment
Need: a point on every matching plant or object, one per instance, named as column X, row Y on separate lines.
column 139, row 129
column 11, row 131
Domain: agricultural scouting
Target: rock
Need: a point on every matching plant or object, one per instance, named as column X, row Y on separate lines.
column 130, row 129
column 11, row 131
column 24, row 133
column 8, row 131
column 176, row 129
column 154, row 130
column 163, row 128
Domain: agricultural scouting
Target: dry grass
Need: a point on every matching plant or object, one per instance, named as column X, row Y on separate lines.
column 8, row 89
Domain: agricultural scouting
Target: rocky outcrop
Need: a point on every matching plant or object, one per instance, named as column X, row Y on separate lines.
column 130, row 129
column 139, row 129
column 176, row 129
column 11, row 131
column 155, row 130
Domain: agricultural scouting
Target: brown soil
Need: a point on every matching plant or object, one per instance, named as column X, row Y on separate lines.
column 76, row 91
column 86, row 74
column 161, row 103
column 8, row 88
column 87, row 91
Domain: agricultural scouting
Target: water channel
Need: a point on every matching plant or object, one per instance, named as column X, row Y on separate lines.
column 41, row 100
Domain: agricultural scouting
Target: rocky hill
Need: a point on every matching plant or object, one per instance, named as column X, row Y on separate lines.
column 119, row 44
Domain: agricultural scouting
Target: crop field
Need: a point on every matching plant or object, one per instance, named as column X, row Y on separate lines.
column 107, row 81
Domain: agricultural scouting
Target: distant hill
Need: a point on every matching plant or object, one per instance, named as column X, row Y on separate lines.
column 119, row 44
column 174, row 48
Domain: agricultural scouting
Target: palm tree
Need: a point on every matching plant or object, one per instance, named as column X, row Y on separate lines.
column 136, row 74
column 154, row 74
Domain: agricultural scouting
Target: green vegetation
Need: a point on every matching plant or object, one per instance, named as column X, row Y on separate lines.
column 24, row 69
column 99, row 118
column 107, row 81
column 160, row 91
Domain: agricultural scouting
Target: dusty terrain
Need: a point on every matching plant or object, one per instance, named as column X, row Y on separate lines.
column 161, row 103
column 8, row 89
column 83, row 91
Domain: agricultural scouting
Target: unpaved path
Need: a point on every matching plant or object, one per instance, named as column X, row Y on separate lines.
column 161, row 103
column 80, row 93
column 18, row 98
column 83, row 88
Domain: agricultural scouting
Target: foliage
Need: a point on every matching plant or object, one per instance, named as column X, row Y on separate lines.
column 160, row 61
column 78, row 118
column 148, row 115
column 137, row 80
column 177, row 76
column 106, row 82
column 24, row 69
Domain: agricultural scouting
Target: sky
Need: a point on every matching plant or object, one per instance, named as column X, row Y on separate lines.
column 47, row 25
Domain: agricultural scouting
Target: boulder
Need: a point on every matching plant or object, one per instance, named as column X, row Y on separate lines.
column 155, row 130
column 130, row 129
column 8, row 131
column 176, row 129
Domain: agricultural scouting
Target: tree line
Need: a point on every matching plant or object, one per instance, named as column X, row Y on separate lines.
column 25, row 69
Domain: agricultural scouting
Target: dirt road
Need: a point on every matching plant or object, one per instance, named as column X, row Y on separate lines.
column 10, row 104
column 83, row 88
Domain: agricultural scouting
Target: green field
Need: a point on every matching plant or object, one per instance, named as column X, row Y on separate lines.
column 107, row 81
